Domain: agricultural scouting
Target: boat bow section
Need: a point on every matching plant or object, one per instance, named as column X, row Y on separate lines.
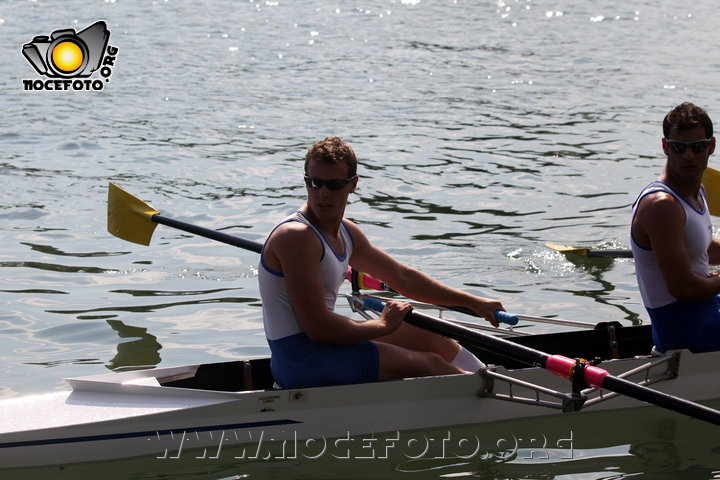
column 147, row 414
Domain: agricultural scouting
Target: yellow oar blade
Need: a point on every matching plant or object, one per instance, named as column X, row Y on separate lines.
column 711, row 182
column 591, row 252
column 568, row 249
column 129, row 217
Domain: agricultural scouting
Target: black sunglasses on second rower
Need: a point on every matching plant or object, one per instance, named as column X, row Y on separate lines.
column 332, row 184
column 697, row 146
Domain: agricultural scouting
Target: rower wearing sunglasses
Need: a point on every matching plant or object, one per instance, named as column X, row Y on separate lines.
column 672, row 239
column 302, row 265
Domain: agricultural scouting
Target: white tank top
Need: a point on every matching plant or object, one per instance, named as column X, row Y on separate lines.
column 278, row 315
column 698, row 235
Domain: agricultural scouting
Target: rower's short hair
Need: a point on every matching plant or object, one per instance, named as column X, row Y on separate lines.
column 687, row 116
column 332, row 150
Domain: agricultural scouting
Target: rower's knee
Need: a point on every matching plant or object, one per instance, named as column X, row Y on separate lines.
column 397, row 362
column 439, row 366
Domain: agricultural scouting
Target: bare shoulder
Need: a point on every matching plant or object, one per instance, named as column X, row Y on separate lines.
column 659, row 205
column 659, row 217
column 291, row 241
column 291, row 235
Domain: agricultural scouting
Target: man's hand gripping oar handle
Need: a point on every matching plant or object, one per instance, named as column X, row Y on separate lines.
column 377, row 306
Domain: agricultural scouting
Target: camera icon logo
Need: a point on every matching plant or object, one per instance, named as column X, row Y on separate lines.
column 67, row 54
column 67, row 58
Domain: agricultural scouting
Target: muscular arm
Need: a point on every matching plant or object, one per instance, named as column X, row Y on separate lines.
column 411, row 282
column 295, row 250
column 659, row 224
column 714, row 252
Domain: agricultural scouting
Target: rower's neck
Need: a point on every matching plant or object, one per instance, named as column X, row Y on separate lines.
column 688, row 189
column 329, row 227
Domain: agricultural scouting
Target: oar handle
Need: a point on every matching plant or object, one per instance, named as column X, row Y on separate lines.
column 366, row 282
column 503, row 317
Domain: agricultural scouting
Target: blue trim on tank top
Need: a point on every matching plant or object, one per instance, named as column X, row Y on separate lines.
column 674, row 194
column 317, row 231
column 324, row 240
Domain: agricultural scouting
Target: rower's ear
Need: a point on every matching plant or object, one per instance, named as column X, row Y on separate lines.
column 354, row 183
column 711, row 147
column 665, row 146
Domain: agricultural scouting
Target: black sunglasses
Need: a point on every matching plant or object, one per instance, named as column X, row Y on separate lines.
column 698, row 146
column 332, row 184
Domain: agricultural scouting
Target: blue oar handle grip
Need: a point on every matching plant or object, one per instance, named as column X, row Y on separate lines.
column 377, row 306
column 373, row 304
column 504, row 317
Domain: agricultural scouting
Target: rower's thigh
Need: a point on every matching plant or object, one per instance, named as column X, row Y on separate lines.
column 398, row 362
column 418, row 339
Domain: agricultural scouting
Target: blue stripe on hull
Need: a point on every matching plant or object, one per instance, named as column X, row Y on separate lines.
column 149, row 433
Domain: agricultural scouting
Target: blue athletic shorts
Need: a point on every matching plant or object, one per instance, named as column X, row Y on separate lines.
column 298, row 362
column 691, row 325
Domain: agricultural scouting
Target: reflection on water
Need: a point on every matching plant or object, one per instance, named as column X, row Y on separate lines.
column 49, row 249
column 604, row 292
column 141, row 352
column 51, row 267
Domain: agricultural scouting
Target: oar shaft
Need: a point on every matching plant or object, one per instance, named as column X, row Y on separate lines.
column 600, row 378
column 680, row 405
column 610, row 253
column 563, row 366
column 477, row 339
column 208, row 233
column 555, row 321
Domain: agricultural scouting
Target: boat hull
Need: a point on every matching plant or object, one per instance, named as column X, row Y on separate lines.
column 164, row 412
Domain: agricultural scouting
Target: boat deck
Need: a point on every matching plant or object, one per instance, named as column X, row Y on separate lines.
column 607, row 341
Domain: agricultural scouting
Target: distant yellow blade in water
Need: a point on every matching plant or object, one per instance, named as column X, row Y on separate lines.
column 129, row 217
column 568, row 249
column 590, row 252
column 711, row 182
